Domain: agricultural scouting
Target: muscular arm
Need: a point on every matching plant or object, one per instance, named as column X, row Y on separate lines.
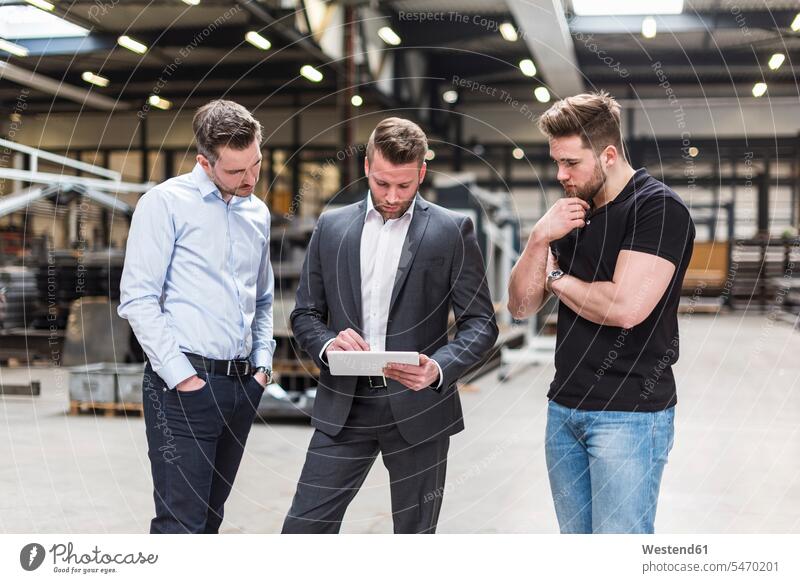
column 640, row 280
column 526, row 291
column 526, row 288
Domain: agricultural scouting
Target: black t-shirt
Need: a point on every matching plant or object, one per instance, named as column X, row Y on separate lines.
column 608, row 368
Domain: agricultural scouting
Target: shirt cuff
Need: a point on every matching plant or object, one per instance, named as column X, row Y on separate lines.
column 261, row 357
column 324, row 348
column 176, row 370
column 438, row 386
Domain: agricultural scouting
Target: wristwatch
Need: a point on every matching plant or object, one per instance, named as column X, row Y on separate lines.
column 266, row 371
column 553, row 276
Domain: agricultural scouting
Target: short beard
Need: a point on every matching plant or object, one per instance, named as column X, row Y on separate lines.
column 589, row 190
column 397, row 214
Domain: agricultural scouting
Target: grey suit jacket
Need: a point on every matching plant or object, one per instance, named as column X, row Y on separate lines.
column 440, row 268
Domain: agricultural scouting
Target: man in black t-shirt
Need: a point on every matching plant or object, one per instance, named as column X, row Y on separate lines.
column 614, row 252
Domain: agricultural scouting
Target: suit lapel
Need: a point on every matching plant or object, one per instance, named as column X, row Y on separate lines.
column 416, row 231
column 352, row 249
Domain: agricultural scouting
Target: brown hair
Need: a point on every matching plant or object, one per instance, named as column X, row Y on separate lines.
column 595, row 117
column 224, row 123
column 398, row 140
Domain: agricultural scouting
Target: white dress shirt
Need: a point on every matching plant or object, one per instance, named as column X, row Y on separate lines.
column 381, row 245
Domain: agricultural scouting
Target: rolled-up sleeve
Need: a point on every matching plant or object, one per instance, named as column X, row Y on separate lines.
column 151, row 241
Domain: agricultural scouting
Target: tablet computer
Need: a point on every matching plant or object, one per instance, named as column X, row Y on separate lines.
column 366, row 364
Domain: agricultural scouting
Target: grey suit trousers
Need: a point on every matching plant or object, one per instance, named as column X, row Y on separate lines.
column 335, row 468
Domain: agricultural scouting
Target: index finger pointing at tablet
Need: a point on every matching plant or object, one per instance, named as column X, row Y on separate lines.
column 356, row 338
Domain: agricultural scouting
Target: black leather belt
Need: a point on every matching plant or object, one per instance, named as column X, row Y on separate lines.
column 371, row 382
column 231, row 368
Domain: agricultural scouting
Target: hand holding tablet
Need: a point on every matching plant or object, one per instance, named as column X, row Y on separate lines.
column 349, row 355
column 366, row 363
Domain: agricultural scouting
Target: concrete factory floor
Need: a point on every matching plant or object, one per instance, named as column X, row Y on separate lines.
column 735, row 466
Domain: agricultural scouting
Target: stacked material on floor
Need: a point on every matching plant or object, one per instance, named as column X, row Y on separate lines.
column 21, row 295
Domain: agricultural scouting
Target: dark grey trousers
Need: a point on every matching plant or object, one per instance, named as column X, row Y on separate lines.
column 336, row 467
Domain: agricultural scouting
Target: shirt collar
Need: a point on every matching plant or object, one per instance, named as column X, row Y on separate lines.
column 208, row 188
column 203, row 182
column 371, row 208
column 633, row 186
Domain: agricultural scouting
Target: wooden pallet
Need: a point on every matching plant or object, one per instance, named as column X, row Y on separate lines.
column 700, row 305
column 20, row 360
column 104, row 409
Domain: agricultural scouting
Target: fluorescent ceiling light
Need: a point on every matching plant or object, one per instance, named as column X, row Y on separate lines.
column 28, row 22
column 759, row 89
column 389, row 36
column 356, row 100
column 527, row 67
column 159, row 102
column 41, row 4
column 132, row 44
column 796, row 23
column 257, row 40
column 509, row 32
column 94, row 79
column 450, row 96
column 542, row 94
column 649, row 27
column 518, row 154
column 15, row 50
column 311, row 73
column 776, row 60
column 626, row 7
column 191, row 2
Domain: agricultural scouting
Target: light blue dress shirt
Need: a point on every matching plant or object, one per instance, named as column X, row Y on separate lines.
column 197, row 276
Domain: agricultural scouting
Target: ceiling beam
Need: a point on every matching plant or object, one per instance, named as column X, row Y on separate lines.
column 694, row 58
column 544, row 29
column 232, row 72
column 48, row 47
column 283, row 26
column 686, row 22
column 15, row 74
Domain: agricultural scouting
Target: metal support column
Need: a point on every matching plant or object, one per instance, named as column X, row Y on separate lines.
column 296, row 136
column 349, row 170
column 145, row 162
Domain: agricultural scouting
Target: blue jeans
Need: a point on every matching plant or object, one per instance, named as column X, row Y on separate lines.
column 605, row 467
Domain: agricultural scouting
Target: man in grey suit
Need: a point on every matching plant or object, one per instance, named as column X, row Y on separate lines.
column 383, row 274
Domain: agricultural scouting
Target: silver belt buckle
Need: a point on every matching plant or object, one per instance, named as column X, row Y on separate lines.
column 246, row 368
column 376, row 386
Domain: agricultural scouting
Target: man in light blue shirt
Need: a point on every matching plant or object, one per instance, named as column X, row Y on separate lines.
column 197, row 289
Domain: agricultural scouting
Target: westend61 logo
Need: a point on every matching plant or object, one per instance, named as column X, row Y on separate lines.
column 65, row 560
